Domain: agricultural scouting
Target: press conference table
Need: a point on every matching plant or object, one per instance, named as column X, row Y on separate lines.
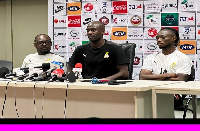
column 181, row 87
column 82, row 100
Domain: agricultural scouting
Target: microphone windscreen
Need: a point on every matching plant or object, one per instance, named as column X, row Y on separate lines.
column 3, row 72
column 26, row 70
column 58, row 72
column 71, row 77
column 11, row 74
column 34, row 75
column 45, row 66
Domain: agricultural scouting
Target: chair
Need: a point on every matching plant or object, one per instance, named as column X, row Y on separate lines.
column 7, row 64
column 129, row 49
column 184, row 107
column 194, row 97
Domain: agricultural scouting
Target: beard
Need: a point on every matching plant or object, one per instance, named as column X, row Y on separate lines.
column 94, row 40
column 164, row 47
column 43, row 52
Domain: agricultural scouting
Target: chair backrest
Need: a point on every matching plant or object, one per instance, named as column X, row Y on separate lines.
column 191, row 77
column 7, row 64
column 129, row 49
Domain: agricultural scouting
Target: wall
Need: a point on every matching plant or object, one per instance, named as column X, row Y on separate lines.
column 5, row 31
column 21, row 21
column 30, row 17
column 133, row 21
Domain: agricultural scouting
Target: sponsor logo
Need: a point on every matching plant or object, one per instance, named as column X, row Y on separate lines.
column 187, row 18
column 119, row 33
column 186, row 33
column 135, row 34
column 59, row 8
column 136, row 60
column 59, row 34
column 87, row 21
column 119, row 7
column 104, row 7
column 164, row 6
column 187, row 4
column 133, row 7
column 152, row 20
column 59, row 21
column 59, row 46
column 74, row 21
column 187, row 47
column 136, row 20
column 104, row 20
column 170, row 19
column 74, row 33
column 116, row 20
column 88, row 6
column 151, row 46
column 152, row 7
column 73, row 8
column 187, row 30
column 152, row 32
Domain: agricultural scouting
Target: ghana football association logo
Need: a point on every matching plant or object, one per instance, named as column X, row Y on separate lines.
column 173, row 65
column 136, row 20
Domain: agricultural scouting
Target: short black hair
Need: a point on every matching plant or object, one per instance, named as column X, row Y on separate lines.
column 175, row 33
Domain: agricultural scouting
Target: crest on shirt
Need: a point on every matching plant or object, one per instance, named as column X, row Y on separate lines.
column 173, row 65
column 106, row 55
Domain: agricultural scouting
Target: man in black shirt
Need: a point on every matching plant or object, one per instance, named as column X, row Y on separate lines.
column 100, row 58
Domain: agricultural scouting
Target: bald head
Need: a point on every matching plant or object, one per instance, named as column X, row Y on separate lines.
column 95, row 31
column 97, row 24
column 41, row 37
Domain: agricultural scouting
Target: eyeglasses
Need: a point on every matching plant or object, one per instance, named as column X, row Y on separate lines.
column 42, row 42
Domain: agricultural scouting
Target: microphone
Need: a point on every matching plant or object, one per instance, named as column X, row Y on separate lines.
column 44, row 75
column 71, row 77
column 22, row 76
column 58, row 75
column 10, row 75
column 58, row 72
column 3, row 72
column 57, row 78
column 45, row 67
column 32, row 76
